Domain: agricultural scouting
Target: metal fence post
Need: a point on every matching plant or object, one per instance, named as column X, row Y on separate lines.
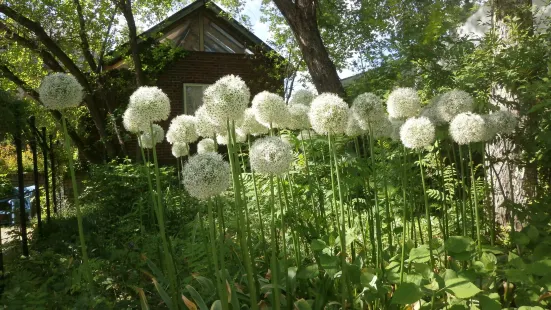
column 33, row 143
column 21, row 186
column 46, row 183
column 52, row 163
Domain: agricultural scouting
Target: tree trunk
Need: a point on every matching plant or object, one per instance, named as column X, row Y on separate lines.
column 302, row 18
column 126, row 7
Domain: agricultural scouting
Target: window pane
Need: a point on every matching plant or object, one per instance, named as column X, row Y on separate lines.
column 194, row 98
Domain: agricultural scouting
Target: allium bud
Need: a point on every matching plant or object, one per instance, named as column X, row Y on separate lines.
column 206, row 175
column 149, row 105
column 250, row 125
column 302, row 96
column 206, row 145
column 60, row 91
column 467, row 128
column 226, row 99
column 403, row 103
column 453, row 103
column 147, row 142
column 328, row 114
column 298, row 116
column 271, row 155
column 180, row 149
column 182, row 129
column 417, row 132
column 270, row 109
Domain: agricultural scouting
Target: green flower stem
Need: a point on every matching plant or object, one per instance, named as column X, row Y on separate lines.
column 310, row 185
column 222, row 249
column 457, row 211
column 171, row 269
column 282, row 207
column 288, row 205
column 493, row 206
column 440, row 164
column 275, row 270
column 234, row 163
column 257, row 201
column 149, row 182
column 427, row 211
column 404, row 214
column 85, row 263
column 512, row 209
column 246, row 205
column 463, row 188
column 477, row 218
column 220, row 283
column 334, row 211
column 376, row 201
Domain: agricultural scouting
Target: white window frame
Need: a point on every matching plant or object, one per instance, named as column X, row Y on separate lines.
column 185, row 94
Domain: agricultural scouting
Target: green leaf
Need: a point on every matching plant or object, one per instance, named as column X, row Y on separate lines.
column 532, row 232
column 407, row 293
column 541, row 268
column 424, row 270
column 197, row 298
column 307, row 272
column 163, row 293
column 216, row 305
column 459, row 244
column 419, row 254
column 530, row 308
column 318, row 245
column 302, row 304
column 520, row 238
column 488, row 303
column 461, row 288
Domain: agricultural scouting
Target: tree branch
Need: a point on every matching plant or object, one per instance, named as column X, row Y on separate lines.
column 48, row 59
column 126, row 8
column 104, row 43
column 84, row 38
column 7, row 73
column 286, row 7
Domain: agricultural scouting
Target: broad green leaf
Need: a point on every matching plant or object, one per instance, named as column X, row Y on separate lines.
column 459, row 244
column 318, row 245
column 216, row 305
column 520, row 238
column 197, row 298
column 541, row 268
column 163, row 293
column 424, row 270
column 488, row 303
column 415, row 279
column 353, row 273
column 419, row 254
column 449, row 274
column 532, row 232
column 530, row 308
column 461, row 288
column 307, row 272
column 366, row 278
column 407, row 293
column 302, row 304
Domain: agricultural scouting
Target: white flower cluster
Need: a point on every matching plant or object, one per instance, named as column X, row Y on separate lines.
column 182, row 129
column 226, row 99
column 270, row 109
column 302, row 96
column 131, row 123
column 367, row 108
column 250, row 125
column 353, row 128
column 452, row 103
column 204, row 125
column 240, row 137
column 149, row 104
column 383, row 128
column 328, row 114
column 60, row 91
column 271, row 155
column 298, row 117
column 180, row 149
column 148, row 142
column 206, row 146
column 403, row 103
column 430, row 111
column 417, row 132
column 206, row 175
column 467, row 128
column 502, row 122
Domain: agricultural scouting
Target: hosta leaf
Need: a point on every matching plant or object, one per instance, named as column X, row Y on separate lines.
column 307, row 272
column 407, row 293
column 461, row 288
column 318, row 245
column 459, row 244
column 302, row 304
column 419, row 254
column 487, row 302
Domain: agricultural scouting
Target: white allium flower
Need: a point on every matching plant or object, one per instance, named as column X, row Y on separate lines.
column 226, row 99
column 305, row 135
column 502, row 122
column 270, row 109
column 383, row 128
column 206, row 145
column 271, row 155
column 302, row 96
column 452, row 103
column 250, row 125
column 206, row 175
column 467, row 128
column 366, row 108
column 180, row 149
column 150, row 105
column 353, row 129
column 417, row 132
column 182, row 129
column 403, row 103
column 204, row 125
column 328, row 114
column 240, row 136
column 147, row 142
column 298, row 116
column 131, row 123
column 60, row 91
column 431, row 112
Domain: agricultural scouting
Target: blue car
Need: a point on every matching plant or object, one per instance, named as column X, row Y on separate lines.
column 13, row 203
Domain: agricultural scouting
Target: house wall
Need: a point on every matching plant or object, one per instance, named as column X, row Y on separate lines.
column 206, row 68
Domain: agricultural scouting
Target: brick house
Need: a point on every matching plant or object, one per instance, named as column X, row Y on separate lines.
column 215, row 45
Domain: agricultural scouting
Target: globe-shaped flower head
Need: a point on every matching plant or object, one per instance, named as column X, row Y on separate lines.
column 302, row 96
column 417, row 132
column 204, row 125
column 502, row 122
column 270, row 109
column 147, row 142
column 180, row 149
column 206, row 175
column 205, row 146
column 131, row 122
column 468, row 128
column 403, row 103
column 328, row 114
column 452, row 103
column 149, row 104
column 249, row 125
column 367, row 108
column 353, row 129
column 298, row 117
column 431, row 112
column 271, row 155
column 182, row 129
column 226, row 99
column 60, row 91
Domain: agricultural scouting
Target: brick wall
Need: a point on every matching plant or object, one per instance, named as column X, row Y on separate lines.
column 206, row 68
